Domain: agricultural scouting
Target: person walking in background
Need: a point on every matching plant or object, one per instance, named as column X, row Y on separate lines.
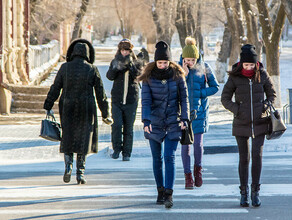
column 123, row 70
column 250, row 83
column 163, row 81
column 77, row 78
column 201, row 83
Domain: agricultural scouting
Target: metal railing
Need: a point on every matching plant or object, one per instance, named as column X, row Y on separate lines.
column 286, row 119
column 41, row 56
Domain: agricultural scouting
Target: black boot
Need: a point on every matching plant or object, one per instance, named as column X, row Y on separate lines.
column 256, row 202
column 160, row 196
column 244, row 196
column 168, row 198
column 68, row 158
column 80, row 163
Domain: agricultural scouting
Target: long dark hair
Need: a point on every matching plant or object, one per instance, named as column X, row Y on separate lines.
column 239, row 67
column 146, row 73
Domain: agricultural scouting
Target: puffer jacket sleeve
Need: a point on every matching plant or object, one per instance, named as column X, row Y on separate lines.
column 226, row 96
column 146, row 101
column 55, row 89
column 184, row 101
column 113, row 70
column 269, row 89
column 100, row 94
column 212, row 83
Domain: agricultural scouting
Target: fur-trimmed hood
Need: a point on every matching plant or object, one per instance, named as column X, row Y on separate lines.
column 83, row 51
column 146, row 75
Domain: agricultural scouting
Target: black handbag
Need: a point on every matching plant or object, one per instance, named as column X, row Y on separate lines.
column 50, row 129
column 276, row 126
column 187, row 136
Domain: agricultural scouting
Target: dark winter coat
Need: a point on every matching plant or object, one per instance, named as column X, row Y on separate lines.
column 124, row 71
column 197, row 81
column 78, row 79
column 160, row 106
column 248, row 108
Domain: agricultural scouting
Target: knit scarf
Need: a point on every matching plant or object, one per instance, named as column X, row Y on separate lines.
column 247, row 73
column 162, row 74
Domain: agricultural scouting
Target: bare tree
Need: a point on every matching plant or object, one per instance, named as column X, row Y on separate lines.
column 198, row 34
column 78, row 21
column 46, row 16
column 163, row 12
column 233, row 27
column 288, row 9
column 184, row 22
column 124, row 10
column 271, row 37
column 252, row 26
column 221, row 62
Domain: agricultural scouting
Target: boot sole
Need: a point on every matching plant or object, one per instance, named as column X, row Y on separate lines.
column 244, row 205
column 81, row 182
column 189, row 188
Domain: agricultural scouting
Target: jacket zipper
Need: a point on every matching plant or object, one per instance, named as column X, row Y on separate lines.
column 251, row 108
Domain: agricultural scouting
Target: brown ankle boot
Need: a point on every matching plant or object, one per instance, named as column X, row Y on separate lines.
column 189, row 182
column 198, row 176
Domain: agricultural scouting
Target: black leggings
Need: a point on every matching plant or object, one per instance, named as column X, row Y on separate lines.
column 244, row 158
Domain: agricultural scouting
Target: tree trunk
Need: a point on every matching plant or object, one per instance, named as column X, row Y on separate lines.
column 163, row 19
column 271, row 36
column 238, row 19
column 184, row 22
column 181, row 22
column 221, row 62
column 288, row 9
column 79, row 18
column 199, row 36
column 252, row 27
column 232, row 24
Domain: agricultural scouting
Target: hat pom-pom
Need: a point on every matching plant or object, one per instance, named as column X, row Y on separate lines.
column 190, row 41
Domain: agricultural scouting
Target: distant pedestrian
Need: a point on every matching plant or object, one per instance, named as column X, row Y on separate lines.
column 201, row 83
column 250, row 83
column 123, row 70
column 78, row 79
column 163, row 81
column 144, row 55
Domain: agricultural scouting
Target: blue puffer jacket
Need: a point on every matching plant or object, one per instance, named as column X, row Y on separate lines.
column 199, row 92
column 161, row 107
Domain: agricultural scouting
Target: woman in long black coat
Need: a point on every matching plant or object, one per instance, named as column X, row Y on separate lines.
column 78, row 78
column 250, row 83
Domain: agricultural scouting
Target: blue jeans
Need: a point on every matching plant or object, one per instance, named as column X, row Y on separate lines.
column 169, row 162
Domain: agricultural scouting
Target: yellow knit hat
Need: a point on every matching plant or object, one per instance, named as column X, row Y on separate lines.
column 190, row 50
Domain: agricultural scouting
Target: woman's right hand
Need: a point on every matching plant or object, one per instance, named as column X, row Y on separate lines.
column 185, row 67
column 148, row 129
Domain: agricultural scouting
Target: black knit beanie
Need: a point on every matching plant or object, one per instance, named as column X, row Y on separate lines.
column 248, row 54
column 162, row 51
